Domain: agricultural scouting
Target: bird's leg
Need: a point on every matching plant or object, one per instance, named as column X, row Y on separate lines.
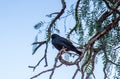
column 63, row 50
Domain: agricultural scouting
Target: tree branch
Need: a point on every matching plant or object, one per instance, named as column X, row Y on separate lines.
column 84, row 64
column 49, row 34
column 77, row 70
column 108, row 13
column 40, row 43
column 57, row 17
column 102, row 33
column 45, row 71
column 113, row 8
column 76, row 18
column 93, row 52
column 93, row 65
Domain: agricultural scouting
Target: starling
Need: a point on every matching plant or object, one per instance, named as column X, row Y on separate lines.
column 60, row 42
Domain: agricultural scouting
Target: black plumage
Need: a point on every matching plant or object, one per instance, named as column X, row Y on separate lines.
column 60, row 42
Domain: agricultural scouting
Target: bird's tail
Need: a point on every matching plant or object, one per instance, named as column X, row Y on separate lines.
column 78, row 52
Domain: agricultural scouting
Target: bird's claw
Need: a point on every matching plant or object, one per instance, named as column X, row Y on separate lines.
column 62, row 51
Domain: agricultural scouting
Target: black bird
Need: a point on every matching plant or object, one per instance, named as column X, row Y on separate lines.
column 60, row 42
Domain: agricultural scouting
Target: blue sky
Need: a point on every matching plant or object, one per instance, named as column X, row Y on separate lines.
column 17, row 18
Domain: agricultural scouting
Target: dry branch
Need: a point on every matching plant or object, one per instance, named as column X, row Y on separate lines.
column 102, row 33
column 76, row 18
column 40, row 43
column 49, row 34
column 89, row 46
column 113, row 8
column 57, row 17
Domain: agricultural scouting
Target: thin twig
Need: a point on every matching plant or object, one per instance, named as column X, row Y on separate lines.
column 34, row 67
column 57, row 17
column 45, row 72
column 75, row 74
column 77, row 70
column 40, row 43
column 76, row 18
column 50, row 15
column 55, row 64
column 45, row 55
column 105, row 65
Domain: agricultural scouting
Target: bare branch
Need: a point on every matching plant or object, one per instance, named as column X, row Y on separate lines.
column 108, row 13
column 34, row 67
column 113, row 62
column 78, row 69
column 104, row 70
column 105, row 65
column 50, row 15
column 76, row 18
column 40, row 43
column 44, row 57
column 49, row 34
column 104, row 16
column 107, row 3
column 59, row 57
column 57, row 17
column 102, row 33
column 113, row 8
column 93, row 51
column 54, row 67
column 45, row 72
column 67, row 62
column 75, row 74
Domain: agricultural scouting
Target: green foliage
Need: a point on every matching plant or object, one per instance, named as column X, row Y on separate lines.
column 37, row 26
column 88, row 23
column 88, row 67
column 118, row 68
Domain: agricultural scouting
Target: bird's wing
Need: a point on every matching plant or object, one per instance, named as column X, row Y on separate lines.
column 59, row 44
column 65, row 41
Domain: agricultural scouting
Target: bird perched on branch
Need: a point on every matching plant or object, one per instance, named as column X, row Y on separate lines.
column 60, row 43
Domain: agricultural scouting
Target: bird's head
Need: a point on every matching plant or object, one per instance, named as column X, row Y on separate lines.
column 54, row 36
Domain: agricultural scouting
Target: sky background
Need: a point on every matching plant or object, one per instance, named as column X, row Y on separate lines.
column 17, row 18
